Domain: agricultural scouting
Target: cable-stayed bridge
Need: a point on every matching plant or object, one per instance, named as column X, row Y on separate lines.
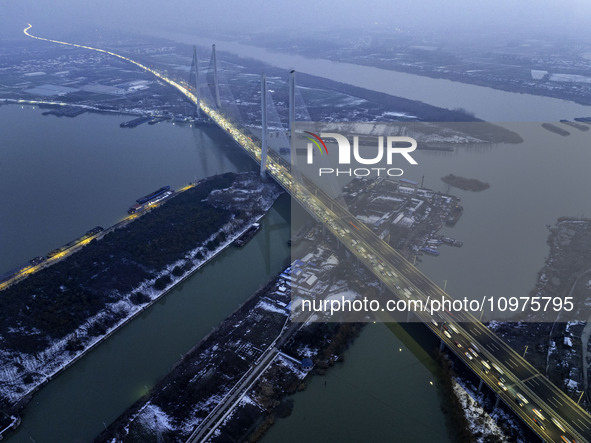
column 542, row 406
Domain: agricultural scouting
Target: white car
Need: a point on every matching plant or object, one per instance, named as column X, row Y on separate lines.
column 499, row 370
column 485, row 366
column 523, row 399
column 558, row 424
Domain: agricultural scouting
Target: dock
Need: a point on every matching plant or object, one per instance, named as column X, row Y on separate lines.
column 135, row 122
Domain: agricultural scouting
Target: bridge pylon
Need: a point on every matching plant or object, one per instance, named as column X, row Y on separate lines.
column 263, row 126
column 291, row 105
column 194, row 80
column 216, row 82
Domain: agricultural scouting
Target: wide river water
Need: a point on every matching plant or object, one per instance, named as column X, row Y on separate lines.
column 61, row 177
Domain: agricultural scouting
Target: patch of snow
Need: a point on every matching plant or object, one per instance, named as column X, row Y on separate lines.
column 154, row 418
column 247, row 400
column 306, row 351
column 263, row 304
column 571, row 384
column 480, row 422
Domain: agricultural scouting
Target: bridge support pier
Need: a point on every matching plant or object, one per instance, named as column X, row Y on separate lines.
column 441, row 345
column 497, row 402
column 480, row 385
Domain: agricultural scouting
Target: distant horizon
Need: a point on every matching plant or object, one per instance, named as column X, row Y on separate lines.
column 451, row 20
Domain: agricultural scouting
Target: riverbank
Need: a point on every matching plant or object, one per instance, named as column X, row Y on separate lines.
column 485, row 69
column 468, row 77
column 324, row 98
column 194, row 387
column 238, row 380
column 558, row 346
column 235, row 381
column 25, row 370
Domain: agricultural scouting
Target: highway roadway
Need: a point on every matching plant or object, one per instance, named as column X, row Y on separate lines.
column 460, row 331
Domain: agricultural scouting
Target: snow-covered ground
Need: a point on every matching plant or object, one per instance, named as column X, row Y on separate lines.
column 481, row 423
column 483, row 426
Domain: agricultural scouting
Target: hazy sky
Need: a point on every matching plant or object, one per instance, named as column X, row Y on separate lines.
column 570, row 17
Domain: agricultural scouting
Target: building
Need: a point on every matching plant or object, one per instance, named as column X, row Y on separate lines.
column 307, row 364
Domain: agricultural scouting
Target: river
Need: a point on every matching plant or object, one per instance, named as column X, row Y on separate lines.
column 62, row 176
column 384, row 391
column 488, row 104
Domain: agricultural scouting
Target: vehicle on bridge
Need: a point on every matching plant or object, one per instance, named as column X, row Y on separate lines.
column 499, row 370
column 538, row 413
column 524, row 400
column 558, row 424
column 485, row 366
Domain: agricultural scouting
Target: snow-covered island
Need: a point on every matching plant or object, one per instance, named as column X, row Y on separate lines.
column 53, row 317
